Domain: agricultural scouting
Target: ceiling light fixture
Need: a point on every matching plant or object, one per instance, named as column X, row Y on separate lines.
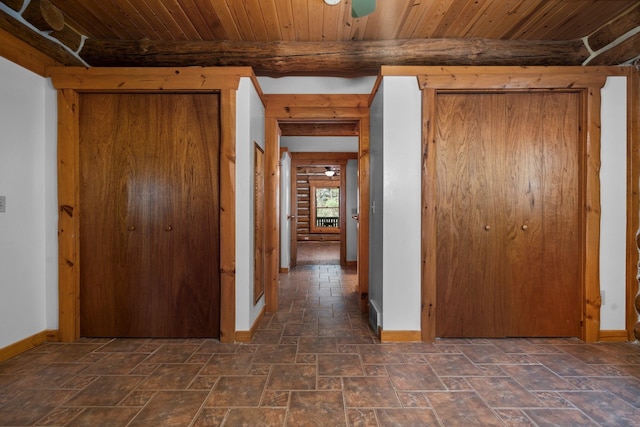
column 329, row 171
column 332, row 2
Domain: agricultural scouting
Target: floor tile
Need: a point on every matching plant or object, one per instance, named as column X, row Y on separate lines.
column 604, row 408
column 406, row 417
column 317, row 362
column 31, row 405
column 170, row 408
column 339, row 365
column 104, row 417
column 237, row 391
column 462, row 409
column 560, row 417
column 105, row 391
column 370, row 392
column 292, row 377
column 414, row 377
column 316, row 408
column 503, row 392
column 171, row 377
column 536, row 377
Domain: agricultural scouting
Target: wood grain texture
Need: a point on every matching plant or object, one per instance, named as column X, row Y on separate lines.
column 591, row 216
column 228, row 119
column 364, row 201
column 149, row 79
column 614, row 29
column 150, row 190
column 428, row 305
column 633, row 199
column 621, row 53
column 44, row 15
column 28, row 343
column 508, row 217
column 340, row 58
column 295, row 20
column 470, row 293
column 272, row 213
column 68, row 216
column 22, row 53
column 97, row 80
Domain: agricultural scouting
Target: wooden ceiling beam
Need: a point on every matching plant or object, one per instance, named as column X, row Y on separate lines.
column 48, row 47
column 615, row 29
column 346, row 59
column 319, row 129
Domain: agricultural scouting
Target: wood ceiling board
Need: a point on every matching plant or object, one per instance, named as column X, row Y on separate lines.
column 230, row 22
column 300, row 11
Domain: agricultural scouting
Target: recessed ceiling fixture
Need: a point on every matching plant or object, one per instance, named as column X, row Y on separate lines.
column 332, row 2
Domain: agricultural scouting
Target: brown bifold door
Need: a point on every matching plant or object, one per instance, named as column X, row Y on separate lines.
column 508, row 214
column 149, row 224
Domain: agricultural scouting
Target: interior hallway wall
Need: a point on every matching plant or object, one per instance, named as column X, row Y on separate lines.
column 28, row 228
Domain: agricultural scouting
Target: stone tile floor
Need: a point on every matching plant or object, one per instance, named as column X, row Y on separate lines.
column 316, row 362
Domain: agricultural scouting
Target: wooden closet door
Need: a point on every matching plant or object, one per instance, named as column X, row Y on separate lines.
column 509, row 163
column 543, row 247
column 469, row 297
column 149, row 223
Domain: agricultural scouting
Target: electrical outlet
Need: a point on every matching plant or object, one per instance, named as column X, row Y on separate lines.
column 3, row 203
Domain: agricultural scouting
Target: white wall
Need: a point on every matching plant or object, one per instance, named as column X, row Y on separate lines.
column 317, row 85
column 376, row 197
column 28, row 228
column 320, row 144
column 352, row 209
column 402, row 135
column 613, row 198
column 285, row 210
column 249, row 110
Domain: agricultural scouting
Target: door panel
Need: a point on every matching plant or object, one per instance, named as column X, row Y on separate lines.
column 508, row 164
column 466, row 219
column 149, row 222
column 561, row 224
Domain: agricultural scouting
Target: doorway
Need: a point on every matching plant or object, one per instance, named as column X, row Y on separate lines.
column 318, row 115
column 323, row 199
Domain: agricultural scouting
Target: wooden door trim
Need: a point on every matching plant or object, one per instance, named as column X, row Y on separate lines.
column 633, row 200
column 70, row 82
column 433, row 80
column 310, row 108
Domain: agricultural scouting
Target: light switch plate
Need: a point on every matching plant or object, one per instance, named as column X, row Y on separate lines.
column 3, row 203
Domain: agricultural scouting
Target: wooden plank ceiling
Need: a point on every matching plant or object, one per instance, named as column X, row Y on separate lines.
column 309, row 37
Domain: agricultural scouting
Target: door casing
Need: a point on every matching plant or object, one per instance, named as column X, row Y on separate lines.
column 432, row 81
column 310, row 109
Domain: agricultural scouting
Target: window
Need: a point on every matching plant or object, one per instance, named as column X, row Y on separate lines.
column 325, row 206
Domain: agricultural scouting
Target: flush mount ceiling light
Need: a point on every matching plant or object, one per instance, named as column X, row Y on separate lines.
column 328, row 170
column 332, row 2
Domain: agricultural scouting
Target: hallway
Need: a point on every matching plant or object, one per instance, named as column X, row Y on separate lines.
column 316, row 362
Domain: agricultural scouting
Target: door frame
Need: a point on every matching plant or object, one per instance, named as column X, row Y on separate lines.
column 70, row 83
column 588, row 83
column 339, row 159
column 312, row 108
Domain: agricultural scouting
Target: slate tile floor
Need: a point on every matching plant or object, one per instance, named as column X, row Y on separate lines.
column 317, row 363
